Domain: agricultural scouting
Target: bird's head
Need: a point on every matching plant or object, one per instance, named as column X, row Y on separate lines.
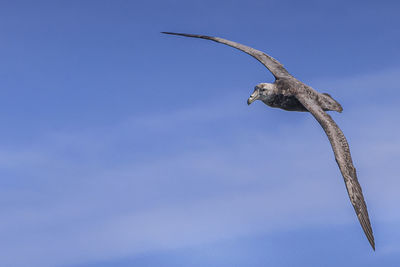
column 261, row 92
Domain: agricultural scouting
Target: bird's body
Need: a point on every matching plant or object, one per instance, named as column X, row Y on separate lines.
column 285, row 102
column 290, row 94
column 282, row 94
column 278, row 95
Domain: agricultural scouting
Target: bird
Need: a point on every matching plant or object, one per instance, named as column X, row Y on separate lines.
column 288, row 93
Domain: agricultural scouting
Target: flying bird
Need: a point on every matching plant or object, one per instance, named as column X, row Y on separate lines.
column 290, row 94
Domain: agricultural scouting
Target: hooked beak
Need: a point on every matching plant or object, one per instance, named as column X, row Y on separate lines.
column 254, row 96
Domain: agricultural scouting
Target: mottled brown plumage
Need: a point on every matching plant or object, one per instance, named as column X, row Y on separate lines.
column 290, row 94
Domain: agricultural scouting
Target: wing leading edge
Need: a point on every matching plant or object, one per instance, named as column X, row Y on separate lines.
column 273, row 65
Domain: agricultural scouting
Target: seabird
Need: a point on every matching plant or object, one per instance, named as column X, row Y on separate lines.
column 290, row 94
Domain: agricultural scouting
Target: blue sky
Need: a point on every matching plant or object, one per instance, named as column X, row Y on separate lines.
column 124, row 147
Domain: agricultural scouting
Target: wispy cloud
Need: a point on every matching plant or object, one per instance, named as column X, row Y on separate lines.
column 210, row 180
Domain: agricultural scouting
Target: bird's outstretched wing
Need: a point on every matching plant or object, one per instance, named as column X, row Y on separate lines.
column 343, row 158
column 274, row 66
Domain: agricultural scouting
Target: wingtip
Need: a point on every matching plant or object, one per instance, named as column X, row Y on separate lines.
column 373, row 245
column 173, row 33
column 371, row 240
column 190, row 35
